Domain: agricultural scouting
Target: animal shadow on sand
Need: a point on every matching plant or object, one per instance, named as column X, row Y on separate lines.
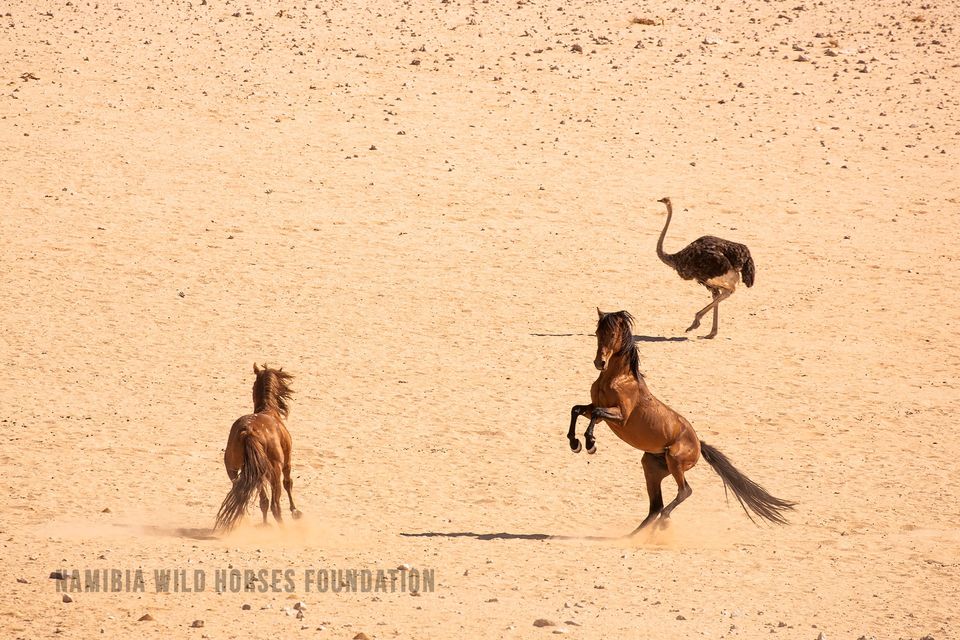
column 193, row 533
column 503, row 536
column 660, row 339
column 635, row 338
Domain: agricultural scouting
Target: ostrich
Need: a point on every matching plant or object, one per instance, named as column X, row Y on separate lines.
column 715, row 263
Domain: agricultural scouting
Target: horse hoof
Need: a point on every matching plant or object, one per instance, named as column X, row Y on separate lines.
column 296, row 514
column 592, row 450
column 575, row 445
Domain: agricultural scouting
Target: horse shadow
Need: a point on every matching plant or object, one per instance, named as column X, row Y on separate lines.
column 192, row 533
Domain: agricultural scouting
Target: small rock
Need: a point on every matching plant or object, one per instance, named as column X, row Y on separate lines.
column 831, row 53
column 821, row 636
column 23, row 581
column 58, row 575
column 781, row 624
column 712, row 40
column 361, row 636
column 572, row 623
column 415, row 61
column 246, row 607
column 196, row 624
column 560, row 631
column 145, row 618
column 801, row 58
column 404, row 567
column 543, row 622
column 299, row 615
column 299, row 606
column 106, row 510
column 576, row 48
column 67, row 598
column 680, row 617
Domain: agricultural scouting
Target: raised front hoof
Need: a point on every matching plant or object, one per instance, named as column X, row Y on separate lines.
column 296, row 514
column 575, row 445
column 591, row 447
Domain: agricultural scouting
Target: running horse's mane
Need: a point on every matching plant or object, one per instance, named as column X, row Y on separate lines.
column 272, row 391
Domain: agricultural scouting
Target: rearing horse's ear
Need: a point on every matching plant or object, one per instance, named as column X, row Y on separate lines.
column 256, row 369
column 599, row 313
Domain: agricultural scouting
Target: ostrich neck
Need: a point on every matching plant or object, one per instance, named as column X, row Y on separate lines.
column 663, row 234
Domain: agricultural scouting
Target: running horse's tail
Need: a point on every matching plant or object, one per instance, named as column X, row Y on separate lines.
column 256, row 469
column 750, row 495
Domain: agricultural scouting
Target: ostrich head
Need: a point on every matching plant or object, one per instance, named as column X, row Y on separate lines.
column 665, row 201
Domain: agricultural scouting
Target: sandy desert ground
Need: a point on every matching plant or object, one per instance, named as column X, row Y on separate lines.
column 415, row 207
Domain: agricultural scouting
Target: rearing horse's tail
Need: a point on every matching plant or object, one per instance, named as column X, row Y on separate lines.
column 752, row 497
column 256, row 468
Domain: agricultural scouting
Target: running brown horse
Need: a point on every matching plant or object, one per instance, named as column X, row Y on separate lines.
column 620, row 398
column 258, row 451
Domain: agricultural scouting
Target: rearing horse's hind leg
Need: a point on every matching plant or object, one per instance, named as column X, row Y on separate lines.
column 288, row 487
column 654, row 471
column 684, row 491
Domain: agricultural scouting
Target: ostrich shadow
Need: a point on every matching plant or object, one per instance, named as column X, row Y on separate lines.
column 505, row 536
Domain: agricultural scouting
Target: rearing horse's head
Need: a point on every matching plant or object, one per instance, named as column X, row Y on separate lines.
column 614, row 336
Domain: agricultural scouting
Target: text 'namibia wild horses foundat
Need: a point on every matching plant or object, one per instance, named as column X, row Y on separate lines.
column 620, row 398
column 258, row 451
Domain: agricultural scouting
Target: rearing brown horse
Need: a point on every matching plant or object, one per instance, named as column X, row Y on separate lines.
column 620, row 398
column 258, row 451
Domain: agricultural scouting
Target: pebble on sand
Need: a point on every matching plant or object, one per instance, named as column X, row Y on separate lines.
column 196, row 624
column 67, row 598
column 543, row 622
column 145, row 618
column 246, row 607
column 361, row 636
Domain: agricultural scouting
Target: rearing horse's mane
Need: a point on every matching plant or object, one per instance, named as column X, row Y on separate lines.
column 272, row 391
column 620, row 324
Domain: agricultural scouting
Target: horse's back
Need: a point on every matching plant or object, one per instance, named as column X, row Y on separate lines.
column 265, row 427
